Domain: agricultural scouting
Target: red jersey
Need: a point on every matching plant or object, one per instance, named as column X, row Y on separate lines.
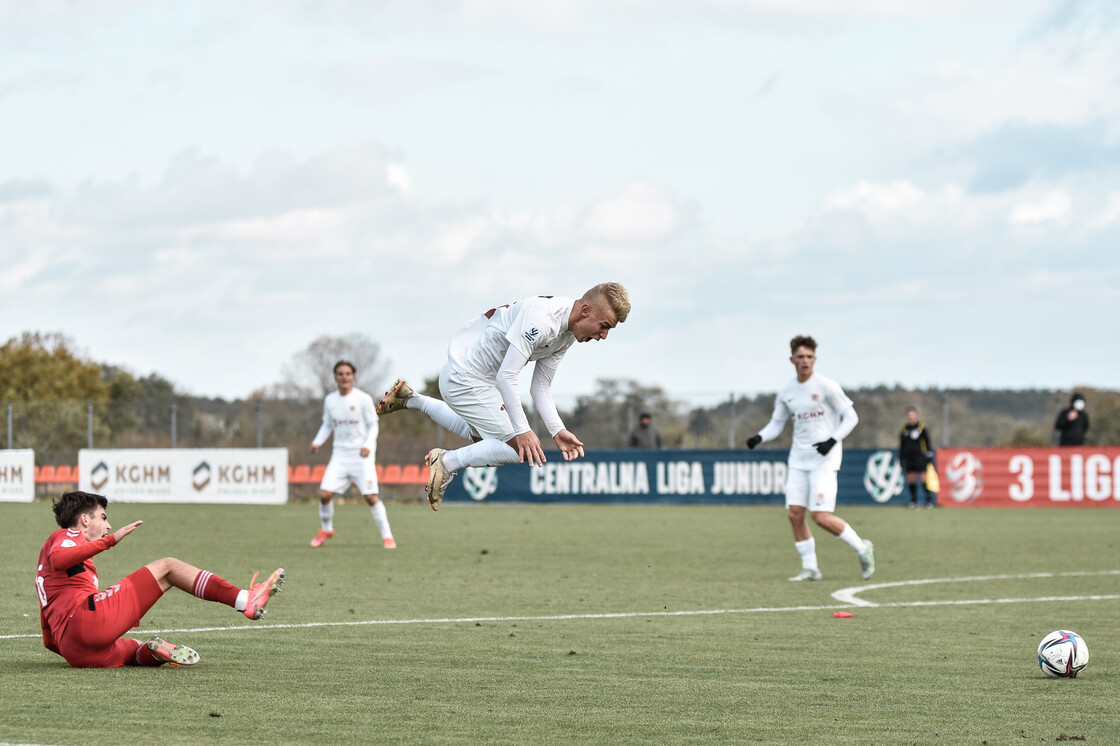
column 65, row 578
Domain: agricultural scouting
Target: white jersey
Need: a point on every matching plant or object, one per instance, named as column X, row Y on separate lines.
column 816, row 407
column 537, row 327
column 353, row 421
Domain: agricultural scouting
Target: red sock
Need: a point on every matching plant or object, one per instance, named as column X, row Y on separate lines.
column 209, row 587
column 143, row 656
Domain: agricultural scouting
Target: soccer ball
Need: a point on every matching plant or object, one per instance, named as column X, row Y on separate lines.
column 1062, row 654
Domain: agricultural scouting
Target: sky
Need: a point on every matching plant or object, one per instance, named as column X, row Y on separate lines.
column 931, row 190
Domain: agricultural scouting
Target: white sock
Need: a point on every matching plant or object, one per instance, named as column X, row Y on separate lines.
column 440, row 413
column 808, row 551
column 487, row 452
column 851, row 538
column 377, row 510
column 326, row 516
column 242, row 600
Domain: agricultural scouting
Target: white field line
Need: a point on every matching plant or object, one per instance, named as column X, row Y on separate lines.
column 848, row 595
column 849, row 592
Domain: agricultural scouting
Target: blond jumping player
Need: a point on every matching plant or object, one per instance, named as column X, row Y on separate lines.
column 479, row 382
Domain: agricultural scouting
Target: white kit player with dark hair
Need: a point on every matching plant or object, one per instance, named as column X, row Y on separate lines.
column 823, row 416
column 349, row 414
column 479, row 382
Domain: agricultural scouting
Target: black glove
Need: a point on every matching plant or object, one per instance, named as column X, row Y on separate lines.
column 825, row 446
column 753, row 441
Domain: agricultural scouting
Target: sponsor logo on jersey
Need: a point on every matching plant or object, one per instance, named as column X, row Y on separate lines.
column 531, row 335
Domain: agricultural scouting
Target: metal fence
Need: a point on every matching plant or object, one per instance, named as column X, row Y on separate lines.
column 56, row 430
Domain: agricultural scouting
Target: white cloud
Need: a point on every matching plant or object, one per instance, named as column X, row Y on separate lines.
column 638, row 213
column 872, row 199
column 546, row 152
column 1053, row 206
column 397, row 176
column 1108, row 214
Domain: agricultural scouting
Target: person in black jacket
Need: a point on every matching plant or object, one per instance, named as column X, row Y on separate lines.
column 915, row 451
column 1073, row 422
column 646, row 434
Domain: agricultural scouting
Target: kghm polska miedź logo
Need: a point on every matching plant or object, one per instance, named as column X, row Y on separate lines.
column 200, row 476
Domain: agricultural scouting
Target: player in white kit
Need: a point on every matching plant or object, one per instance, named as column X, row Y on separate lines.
column 350, row 415
column 479, row 383
column 823, row 416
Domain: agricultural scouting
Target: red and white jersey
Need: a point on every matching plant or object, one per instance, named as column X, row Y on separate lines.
column 815, row 407
column 352, row 419
column 65, row 577
column 537, row 327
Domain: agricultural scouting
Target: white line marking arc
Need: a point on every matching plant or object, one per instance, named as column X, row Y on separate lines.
column 845, row 596
column 848, row 595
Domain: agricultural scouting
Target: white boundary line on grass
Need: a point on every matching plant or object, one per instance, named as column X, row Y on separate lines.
column 848, row 595
column 845, row 596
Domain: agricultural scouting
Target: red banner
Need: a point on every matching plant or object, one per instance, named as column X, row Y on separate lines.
column 1029, row 477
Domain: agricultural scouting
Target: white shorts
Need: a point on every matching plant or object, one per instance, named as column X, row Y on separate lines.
column 478, row 402
column 814, row 490
column 346, row 468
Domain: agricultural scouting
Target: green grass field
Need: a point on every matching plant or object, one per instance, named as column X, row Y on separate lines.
column 587, row 624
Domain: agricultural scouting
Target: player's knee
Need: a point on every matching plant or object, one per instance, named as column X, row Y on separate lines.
column 161, row 568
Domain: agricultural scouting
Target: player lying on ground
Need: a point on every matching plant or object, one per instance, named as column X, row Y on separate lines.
column 481, row 400
column 85, row 625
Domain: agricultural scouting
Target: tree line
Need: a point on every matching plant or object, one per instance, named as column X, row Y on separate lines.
column 60, row 400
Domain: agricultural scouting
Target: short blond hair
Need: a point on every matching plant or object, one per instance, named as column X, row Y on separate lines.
column 614, row 295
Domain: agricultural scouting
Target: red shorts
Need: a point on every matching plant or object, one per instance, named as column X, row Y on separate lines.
column 92, row 638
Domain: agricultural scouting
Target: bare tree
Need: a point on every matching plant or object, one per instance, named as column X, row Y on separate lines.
column 310, row 373
column 603, row 419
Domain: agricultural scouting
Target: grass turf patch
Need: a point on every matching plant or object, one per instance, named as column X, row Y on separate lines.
column 585, row 624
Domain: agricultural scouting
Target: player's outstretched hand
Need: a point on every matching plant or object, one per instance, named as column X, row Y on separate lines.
column 120, row 533
column 570, row 446
column 753, row 441
column 825, row 446
column 528, row 447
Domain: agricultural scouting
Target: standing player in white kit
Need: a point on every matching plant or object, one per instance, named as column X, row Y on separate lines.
column 823, row 416
column 350, row 415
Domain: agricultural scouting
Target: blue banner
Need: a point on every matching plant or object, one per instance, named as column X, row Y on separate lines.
column 867, row 477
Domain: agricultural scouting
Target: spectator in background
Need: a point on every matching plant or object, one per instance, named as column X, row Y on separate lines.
column 646, row 434
column 1073, row 422
column 915, row 453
